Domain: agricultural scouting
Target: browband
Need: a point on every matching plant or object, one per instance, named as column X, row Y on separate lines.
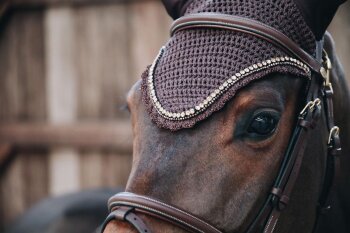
column 253, row 27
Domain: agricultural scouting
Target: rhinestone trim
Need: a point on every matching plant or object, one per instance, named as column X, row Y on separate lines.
column 177, row 116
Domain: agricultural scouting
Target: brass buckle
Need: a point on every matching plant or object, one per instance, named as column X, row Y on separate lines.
column 310, row 106
column 325, row 69
column 333, row 132
column 329, row 88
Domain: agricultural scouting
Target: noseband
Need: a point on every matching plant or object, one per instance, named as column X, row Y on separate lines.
column 126, row 206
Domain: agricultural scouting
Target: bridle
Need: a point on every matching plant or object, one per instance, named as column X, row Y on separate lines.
column 126, row 206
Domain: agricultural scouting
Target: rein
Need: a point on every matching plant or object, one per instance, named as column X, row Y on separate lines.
column 125, row 206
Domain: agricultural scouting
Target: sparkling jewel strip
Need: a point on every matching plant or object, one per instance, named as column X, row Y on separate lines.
column 221, row 89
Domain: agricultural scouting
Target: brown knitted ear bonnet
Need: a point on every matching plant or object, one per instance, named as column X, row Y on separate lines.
column 201, row 69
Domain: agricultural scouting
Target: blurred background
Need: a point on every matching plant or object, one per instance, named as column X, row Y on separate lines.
column 65, row 69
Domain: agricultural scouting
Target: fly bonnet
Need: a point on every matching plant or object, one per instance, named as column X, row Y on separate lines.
column 202, row 67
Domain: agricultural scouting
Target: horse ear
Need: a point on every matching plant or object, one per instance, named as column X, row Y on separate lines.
column 318, row 14
column 176, row 8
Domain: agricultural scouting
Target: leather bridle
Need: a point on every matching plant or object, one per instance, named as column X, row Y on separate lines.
column 126, row 206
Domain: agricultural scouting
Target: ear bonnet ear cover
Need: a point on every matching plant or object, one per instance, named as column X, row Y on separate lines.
column 201, row 69
column 176, row 8
column 318, row 14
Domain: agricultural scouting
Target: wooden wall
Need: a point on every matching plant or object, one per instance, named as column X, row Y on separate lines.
column 65, row 68
column 340, row 30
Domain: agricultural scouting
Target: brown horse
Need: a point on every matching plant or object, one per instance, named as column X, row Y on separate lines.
column 223, row 168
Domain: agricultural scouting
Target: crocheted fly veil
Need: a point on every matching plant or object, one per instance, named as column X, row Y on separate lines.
column 200, row 69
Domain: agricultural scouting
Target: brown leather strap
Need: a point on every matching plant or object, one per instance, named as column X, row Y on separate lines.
column 124, row 213
column 283, row 194
column 289, row 170
column 158, row 209
column 333, row 161
column 272, row 221
column 253, row 27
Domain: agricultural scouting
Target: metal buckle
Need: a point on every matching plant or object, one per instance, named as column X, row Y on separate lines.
column 310, row 106
column 325, row 70
column 329, row 88
column 333, row 132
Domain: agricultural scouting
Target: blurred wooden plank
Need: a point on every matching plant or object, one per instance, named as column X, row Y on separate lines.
column 36, row 179
column 61, row 68
column 9, row 108
column 118, row 167
column 23, row 95
column 103, row 74
column 91, row 169
column 22, row 80
column 61, row 90
column 105, row 168
column 149, row 30
column 64, row 170
column 12, row 191
column 31, row 61
column 103, row 68
column 10, row 93
column 41, row 3
column 32, row 81
column 114, row 135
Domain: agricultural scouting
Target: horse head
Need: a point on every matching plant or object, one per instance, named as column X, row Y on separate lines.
column 230, row 167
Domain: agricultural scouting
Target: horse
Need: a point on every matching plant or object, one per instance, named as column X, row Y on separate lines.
column 219, row 175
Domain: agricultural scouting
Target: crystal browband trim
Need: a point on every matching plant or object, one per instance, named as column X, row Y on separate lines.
column 177, row 116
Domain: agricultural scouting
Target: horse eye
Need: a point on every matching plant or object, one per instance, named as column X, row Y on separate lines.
column 263, row 124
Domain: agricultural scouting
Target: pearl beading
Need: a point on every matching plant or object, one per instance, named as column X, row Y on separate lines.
column 177, row 116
